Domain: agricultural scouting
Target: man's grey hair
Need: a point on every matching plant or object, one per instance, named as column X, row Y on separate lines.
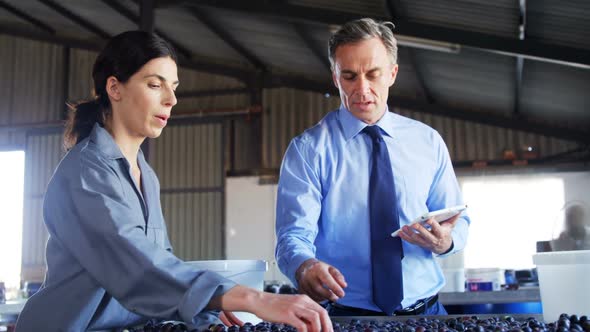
column 362, row 29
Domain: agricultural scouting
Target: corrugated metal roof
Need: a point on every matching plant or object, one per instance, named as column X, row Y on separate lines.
column 471, row 80
column 275, row 43
column 556, row 93
column 9, row 19
column 62, row 25
column 561, row 22
column 100, row 15
column 366, row 7
column 191, row 33
column 407, row 83
column 499, row 17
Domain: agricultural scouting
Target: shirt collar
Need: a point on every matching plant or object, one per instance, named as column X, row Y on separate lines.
column 352, row 126
column 105, row 142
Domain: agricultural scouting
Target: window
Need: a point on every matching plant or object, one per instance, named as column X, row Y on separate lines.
column 509, row 215
column 12, row 169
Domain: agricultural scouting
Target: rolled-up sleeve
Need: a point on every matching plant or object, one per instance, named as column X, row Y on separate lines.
column 95, row 220
column 298, row 210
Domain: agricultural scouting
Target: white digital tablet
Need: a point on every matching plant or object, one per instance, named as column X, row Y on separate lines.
column 438, row 215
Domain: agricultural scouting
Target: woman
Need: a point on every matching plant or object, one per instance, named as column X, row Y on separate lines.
column 109, row 260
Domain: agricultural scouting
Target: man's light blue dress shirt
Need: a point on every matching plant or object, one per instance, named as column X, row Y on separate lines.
column 109, row 260
column 322, row 202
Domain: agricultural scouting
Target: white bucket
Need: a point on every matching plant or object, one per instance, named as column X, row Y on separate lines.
column 490, row 279
column 244, row 272
column 454, row 280
column 563, row 279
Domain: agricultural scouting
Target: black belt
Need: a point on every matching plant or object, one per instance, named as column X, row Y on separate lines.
column 417, row 308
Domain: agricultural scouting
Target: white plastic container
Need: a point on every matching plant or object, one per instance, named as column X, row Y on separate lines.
column 454, row 280
column 244, row 272
column 563, row 279
column 490, row 279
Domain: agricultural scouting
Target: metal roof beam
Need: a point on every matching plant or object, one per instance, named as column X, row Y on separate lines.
column 83, row 44
column 298, row 82
column 147, row 15
column 24, row 16
column 509, row 46
column 169, row 3
column 211, row 92
column 519, row 59
column 237, row 72
column 304, row 34
column 491, row 119
column 395, row 11
column 227, row 38
column 121, row 9
column 76, row 18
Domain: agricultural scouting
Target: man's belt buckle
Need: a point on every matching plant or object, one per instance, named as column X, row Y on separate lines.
column 417, row 308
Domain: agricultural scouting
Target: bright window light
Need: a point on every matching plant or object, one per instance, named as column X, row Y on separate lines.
column 509, row 214
column 12, row 173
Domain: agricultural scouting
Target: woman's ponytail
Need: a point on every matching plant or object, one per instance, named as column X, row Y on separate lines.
column 81, row 119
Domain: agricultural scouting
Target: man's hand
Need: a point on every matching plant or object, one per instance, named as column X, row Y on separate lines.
column 320, row 281
column 438, row 239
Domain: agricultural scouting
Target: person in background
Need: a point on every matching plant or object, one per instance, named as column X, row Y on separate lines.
column 358, row 175
column 576, row 235
column 109, row 259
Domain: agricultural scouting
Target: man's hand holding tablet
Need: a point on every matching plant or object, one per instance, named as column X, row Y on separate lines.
column 438, row 215
column 432, row 230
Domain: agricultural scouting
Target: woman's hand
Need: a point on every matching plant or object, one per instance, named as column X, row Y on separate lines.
column 299, row 311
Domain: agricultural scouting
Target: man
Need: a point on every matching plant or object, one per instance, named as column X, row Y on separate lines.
column 362, row 172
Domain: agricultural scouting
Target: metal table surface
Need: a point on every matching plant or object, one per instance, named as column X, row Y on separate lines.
column 347, row 319
column 491, row 297
column 9, row 311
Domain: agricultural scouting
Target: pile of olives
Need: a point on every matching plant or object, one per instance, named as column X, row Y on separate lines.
column 565, row 323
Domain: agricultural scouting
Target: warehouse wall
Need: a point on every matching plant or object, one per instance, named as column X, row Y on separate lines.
column 288, row 112
column 37, row 78
column 43, row 151
column 31, row 88
column 189, row 162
